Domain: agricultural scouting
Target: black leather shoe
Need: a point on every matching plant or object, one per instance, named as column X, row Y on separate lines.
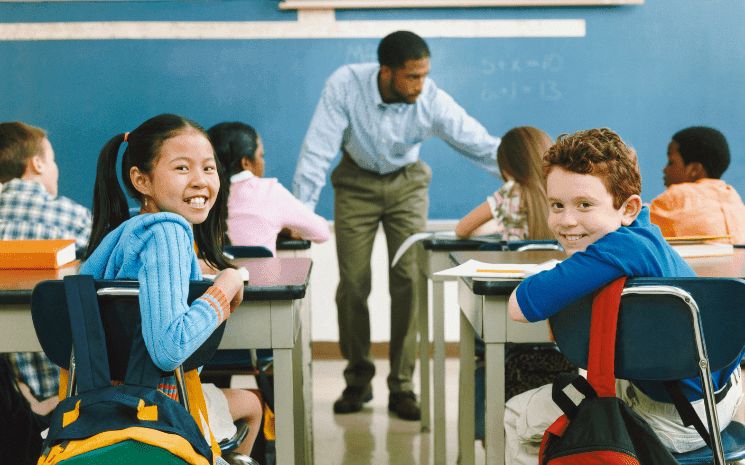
column 352, row 398
column 404, row 405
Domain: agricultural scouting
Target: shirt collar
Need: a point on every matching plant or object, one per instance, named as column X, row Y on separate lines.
column 24, row 185
column 374, row 91
column 242, row 176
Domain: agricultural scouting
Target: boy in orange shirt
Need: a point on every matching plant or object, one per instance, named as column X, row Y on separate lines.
column 697, row 202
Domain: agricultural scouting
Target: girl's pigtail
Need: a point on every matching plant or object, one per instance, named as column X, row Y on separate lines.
column 110, row 207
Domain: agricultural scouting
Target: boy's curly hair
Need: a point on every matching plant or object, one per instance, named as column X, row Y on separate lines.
column 599, row 152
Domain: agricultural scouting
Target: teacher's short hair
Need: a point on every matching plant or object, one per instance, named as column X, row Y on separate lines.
column 399, row 47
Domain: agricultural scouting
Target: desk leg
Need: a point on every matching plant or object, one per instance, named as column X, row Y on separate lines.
column 438, row 336
column 495, row 382
column 307, row 371
column 300, row 414
column 423, row 285
column 284, row 387
column 466, row 420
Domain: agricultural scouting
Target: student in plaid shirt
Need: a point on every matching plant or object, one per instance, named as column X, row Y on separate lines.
column 31, row 209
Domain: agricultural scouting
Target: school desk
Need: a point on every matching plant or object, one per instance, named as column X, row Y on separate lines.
column 436, row 258
column 271, row 317
column 297, row 248
column 483, row 307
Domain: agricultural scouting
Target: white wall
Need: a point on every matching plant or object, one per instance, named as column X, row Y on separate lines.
column 325, row 277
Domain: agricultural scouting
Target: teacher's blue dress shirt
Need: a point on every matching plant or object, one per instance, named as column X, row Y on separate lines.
column 379, row 137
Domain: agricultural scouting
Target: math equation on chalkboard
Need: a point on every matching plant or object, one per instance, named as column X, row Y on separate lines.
column 516, row 78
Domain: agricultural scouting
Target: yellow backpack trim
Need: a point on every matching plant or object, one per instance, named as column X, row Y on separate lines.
column 147, row 413
column 171, row 442
column 71, row 416
column 64, row 378
column 199, row 408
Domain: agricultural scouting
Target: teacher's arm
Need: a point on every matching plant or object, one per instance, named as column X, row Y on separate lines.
column 466, row 135
column 322, row 142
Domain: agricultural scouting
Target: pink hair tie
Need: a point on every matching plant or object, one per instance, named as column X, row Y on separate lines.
column 126, row 135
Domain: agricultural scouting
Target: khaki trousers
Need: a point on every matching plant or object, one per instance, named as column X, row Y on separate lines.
column 362, row 200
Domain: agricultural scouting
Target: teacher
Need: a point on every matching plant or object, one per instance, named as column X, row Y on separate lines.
column 378, row 115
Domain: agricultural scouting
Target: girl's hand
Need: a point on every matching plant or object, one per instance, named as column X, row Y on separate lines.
column 230, row 282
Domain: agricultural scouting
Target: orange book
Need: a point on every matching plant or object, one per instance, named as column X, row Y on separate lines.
column 36, row 254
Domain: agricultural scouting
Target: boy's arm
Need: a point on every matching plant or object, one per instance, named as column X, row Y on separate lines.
column 544, row 294
column 514, row 308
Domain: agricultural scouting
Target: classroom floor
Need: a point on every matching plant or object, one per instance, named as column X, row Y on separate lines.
column 373, row 436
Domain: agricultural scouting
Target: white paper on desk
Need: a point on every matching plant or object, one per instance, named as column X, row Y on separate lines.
column 243, row 271
column 477, row 269
column 414, row 238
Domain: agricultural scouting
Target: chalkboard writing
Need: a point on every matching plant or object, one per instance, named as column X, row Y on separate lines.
column 517, row 78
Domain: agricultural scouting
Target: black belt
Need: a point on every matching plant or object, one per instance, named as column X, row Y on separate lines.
column 719, row 396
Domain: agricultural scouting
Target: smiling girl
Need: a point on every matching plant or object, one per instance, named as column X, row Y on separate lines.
column 170, row 168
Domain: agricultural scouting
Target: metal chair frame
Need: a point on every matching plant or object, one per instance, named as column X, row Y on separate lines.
column 655, row 306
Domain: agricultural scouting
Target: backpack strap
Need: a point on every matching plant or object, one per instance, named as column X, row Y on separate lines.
column 141, row 370
column 686, row 411
column 87, row 333
column 562, row 400
column 602, row 356
column 88, row 338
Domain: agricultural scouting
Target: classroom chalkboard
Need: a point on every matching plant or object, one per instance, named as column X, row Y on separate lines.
column 645, row 71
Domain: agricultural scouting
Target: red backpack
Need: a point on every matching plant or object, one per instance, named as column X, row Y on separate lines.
column 602, row 429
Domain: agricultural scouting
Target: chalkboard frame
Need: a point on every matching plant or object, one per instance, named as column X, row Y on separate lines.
column 375, row 4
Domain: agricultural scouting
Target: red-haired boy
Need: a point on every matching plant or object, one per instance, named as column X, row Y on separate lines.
column 596, row 213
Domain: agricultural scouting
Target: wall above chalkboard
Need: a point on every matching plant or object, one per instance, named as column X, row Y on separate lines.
column 348, row 4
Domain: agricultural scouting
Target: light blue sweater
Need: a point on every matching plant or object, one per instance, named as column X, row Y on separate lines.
column 158, row 251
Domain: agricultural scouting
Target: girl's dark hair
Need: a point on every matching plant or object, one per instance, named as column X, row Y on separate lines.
column 233, row 142
column 144, row 144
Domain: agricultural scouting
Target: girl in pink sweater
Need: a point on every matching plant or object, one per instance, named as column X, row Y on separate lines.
column 259, row 208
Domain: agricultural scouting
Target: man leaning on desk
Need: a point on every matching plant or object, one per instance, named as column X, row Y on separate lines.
column 31, row 209
column 378, row 115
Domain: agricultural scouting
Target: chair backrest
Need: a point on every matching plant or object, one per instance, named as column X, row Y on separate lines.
column 247, row 251
column 493, row 246
column 120, row 315
column 655, row 339
column 519, row 246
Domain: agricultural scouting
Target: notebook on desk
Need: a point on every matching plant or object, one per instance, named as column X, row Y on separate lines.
column 685, row 240
column 704, row 250
column 477, row 269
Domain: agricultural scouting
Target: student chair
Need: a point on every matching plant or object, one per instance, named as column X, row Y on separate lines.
column 520, row 246
column 246, row 251
column 660, row 337
column 120, row 316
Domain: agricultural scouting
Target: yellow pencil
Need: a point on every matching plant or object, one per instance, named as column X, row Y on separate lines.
column 500, row 271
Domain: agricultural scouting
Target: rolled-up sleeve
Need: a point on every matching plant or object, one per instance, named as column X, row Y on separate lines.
column 466, row 135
